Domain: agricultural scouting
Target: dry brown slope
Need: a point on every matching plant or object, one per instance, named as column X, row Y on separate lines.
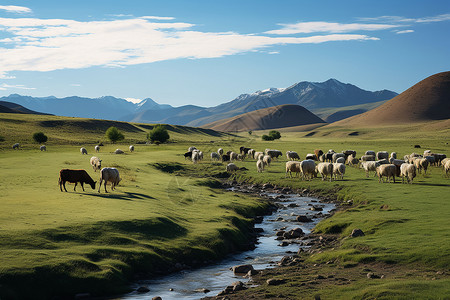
column 425, row 101
column 280, row 116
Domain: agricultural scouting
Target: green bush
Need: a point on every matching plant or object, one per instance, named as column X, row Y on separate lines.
column 39, row 137
column 158, row 134
column 266, row 137
column 275, row 134
column 114, row 135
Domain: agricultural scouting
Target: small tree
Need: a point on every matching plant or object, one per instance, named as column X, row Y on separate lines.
column 114, row 135
column 266, row 137
column 275, row 134
column 39, row 137
column 158, row 134
column 250, row 132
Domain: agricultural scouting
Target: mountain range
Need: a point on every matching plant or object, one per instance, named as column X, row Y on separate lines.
column 311, row 95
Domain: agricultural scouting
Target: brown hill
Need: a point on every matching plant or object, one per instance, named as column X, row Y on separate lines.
column 425, row 101
column 280, row 116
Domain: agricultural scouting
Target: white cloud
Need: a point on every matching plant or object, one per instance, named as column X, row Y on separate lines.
column 133, row 100
column 5, row 86
column 439, row 18
column 75, row 84
column 404, row 31
column 398, row 19
column 15, row 9
column 54, row 44
column 310, row 27
column 157, row 18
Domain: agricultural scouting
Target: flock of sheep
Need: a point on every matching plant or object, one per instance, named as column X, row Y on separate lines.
column 331, row 165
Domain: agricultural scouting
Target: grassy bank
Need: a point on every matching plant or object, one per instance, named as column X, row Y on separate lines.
column 166, row 210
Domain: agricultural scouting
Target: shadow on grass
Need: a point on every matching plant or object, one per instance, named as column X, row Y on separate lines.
column 127, row 196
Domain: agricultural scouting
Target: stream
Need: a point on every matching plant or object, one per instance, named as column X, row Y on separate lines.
column 187, row 284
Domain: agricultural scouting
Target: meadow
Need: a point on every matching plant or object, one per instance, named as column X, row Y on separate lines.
column 167, row 210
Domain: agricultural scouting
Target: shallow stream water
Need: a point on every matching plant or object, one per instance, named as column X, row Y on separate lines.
column 183, row 284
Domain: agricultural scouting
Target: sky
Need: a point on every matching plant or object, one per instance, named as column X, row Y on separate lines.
column 209, row 52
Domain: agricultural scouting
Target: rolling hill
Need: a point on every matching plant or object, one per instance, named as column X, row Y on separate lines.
column 428, row 100
column 10, row 107
column 280, row 116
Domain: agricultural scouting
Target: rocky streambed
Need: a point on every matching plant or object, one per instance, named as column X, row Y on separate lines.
column 279, row 236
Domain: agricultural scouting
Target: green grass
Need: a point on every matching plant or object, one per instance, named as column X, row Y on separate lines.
column 167, row 210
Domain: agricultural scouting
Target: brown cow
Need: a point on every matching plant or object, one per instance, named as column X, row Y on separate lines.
column 75, row 176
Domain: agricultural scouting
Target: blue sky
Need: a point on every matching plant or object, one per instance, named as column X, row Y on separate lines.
column 209, row 52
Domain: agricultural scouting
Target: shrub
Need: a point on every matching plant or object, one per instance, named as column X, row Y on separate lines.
column 114, row 135
column 39, row 137
column 158, row 134
column 2, row 138
column 275, row 134
column 266, row 137
column 250, row 132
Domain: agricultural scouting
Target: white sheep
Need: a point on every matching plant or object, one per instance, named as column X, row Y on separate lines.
column 308, row 168
column 388, row 171
column 352, row 161
column 259, row 155
column 292, row 155
column 215, row 156
column 16, row 146
column 267, row 159
column 421, row 163
column 118, row 151
column 369, row 166
column 259, row 166
column 368, row 157
column 274, row 153
column 43, row 148
column 325, row 169
column 200, row 155
column 232, row 168
column 192, row 148
column 338, row 170
column 131, row 148
column 393, row 155
column 240, row 157
column 195, row 157
column 109, row 175
column 233, row 156
column 337, row 155
column 407, row 171
column 96, row 163
column 427, row 153
column 83, row 150
column 447, row 167
column 292, row 166
column 220, row 152
column 397, row 162
column 251, row 153
column 310, row 156
column 97, row 148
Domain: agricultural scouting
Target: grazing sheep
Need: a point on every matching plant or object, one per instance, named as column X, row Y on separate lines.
column 74, row 176
column 233, row 156
column 421, row 163
column 188, row 154
column 83, row 150
column 325, row 169
column 329, row 155
column 292, row 155
column 109, row 175
column 292, row 166
column 397, row 163
column 439, row 157
column 383, row 161
column 388, row 171
column 323, row 158
column 259, row 166
column 393, row 155
column 431, row 160
column 368, row 158
column 225, row 157
column 251, row 153
column 347, row 153
column 340, row 160
column 267, row 159
column 370, row 152
column 274, row 153
column 192, row 148
column 338, row 170
column 244, row 150
column 195, row 157
column 43, row 148
column 258, row 154
column 96, row 163
column 220, row 151
column 369, row 166
column 447, row 167
column 118, row 151
column 97, row 148
column 240, row 157
column 318, row 153
column 310, row 156
column 308, row 168
column 337, row 155
column 444, row 162
column 232, row 168
column 131, row 148
column 215, row 156
column 352, row 161
column 200, row 155
column 407, row 171
column 16, row 146
column 382, row 155
column 229, row 152
column 427, row 153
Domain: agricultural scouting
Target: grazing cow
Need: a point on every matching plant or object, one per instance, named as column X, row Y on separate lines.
column 111, row 175
column 74, row 176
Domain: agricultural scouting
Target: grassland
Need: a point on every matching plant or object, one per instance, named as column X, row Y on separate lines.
column 166, row 211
